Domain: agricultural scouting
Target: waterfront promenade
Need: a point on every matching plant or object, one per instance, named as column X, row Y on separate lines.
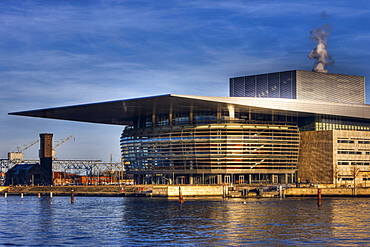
column 187, row 191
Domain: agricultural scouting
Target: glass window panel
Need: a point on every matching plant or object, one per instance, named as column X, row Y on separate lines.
column 239, row 87
column 262, row 86
column 286, row 85
column 231, row 87
column 250, row 86
column 273, row 85
column 294, row 85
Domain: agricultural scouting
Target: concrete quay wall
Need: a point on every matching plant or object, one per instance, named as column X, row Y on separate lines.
column 63, row 190
column 187, row 191
column 195, row 190
column 131, row 190
column 297, row 192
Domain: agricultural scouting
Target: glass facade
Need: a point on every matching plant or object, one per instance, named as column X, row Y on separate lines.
column 218, row 143
column 326, row 122
column 206, row 144
column 212, row 147
column 274, row 85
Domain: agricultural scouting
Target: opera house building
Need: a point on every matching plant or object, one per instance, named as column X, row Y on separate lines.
column 282, row 127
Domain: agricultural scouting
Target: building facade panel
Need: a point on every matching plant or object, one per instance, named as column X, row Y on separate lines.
column 330, row 87
column 213, row 150
column 303, row 85
column 214, row 146
column 272, row 85
column 316, row 164
column 352, row 158
column 340, row 157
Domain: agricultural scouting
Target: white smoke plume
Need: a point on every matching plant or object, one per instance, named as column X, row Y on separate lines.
column 319, row 53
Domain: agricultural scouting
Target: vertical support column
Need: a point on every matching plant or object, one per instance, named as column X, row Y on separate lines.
column 231, row 110
column 219, row 179
column 191, row 179
column 272, row 116
column 219, row 113
column 46, row 155
column 154, row 112
column 250, row 179
column 170, row 115
column 135, row 122
column 191, row 114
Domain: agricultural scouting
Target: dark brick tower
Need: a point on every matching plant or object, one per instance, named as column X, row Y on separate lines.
column 46, row 155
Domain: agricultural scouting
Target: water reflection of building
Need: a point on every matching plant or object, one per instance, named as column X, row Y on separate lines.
column 275, row 128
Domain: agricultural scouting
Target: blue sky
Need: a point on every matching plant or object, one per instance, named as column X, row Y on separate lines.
column 58, row 53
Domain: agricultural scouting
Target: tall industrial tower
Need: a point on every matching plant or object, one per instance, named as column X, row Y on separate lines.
column 46, row 154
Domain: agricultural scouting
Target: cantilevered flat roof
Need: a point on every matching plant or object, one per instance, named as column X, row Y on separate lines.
column 123, row 112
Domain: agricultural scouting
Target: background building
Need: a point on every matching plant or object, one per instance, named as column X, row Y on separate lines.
column 35, row 174
column 27, row 174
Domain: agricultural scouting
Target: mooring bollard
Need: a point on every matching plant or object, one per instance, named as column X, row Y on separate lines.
column 21, row 195
column 280, row 191
column 6, row 195
column 39, row 195
column 72, row 196
column 319, row 197
column 181, row 198
column 51, row 194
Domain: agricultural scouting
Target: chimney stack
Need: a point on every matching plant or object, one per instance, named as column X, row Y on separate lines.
column 46, row 154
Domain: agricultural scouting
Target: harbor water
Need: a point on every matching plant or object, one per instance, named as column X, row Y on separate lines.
column 142, row 221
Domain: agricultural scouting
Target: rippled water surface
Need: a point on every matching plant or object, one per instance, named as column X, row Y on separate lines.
column 135, row 221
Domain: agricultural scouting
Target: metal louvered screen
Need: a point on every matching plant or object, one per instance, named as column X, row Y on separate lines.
column 273, row 85
column 298, row 84
column 239, row 87
column 250, row 86
column 330, row 87
column 231, row 87
column 286, row 85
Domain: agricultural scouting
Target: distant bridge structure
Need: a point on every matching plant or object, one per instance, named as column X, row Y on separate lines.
column 90, row 166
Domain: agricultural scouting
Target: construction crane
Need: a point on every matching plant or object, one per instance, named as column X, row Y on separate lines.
column 18, row 155
column 60, row 142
